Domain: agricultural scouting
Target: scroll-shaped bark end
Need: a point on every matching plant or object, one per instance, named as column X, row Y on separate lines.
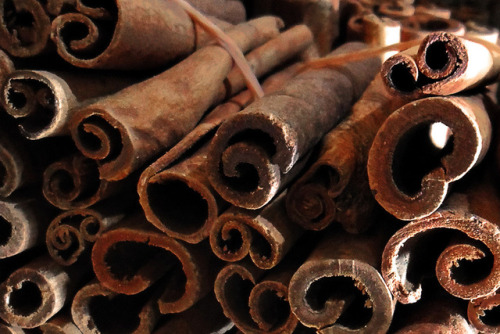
column 400, row 74
column 39, row 101
column 253, row 307
column 11, row 170
column 5, row 329
column 28, row 299
column 79, row 40
column 16, row 234
column 101, row 137
column 247, row 155
column 73, row 183
column 24, row 27
column 269, row 308
column 234, row 236
column 442, row 55
column 180, row 206
column 408, row 171
column 129, row 260
column 96, row 309
column 69, row 233
column 483, row 313
column 310, row 201
column 396, row 261
column 449, row 261
column 341, row 294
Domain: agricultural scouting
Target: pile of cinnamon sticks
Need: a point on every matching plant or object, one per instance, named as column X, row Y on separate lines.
column 227, row 166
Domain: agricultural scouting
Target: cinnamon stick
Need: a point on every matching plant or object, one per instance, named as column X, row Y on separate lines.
column 34, row 293
column 335, row 187
column 409, row 171
column 131, row 257
column 22, row 38
column 110, row 130
column 42, row 102
column 255, row 149
column 339, row 289
column 121, row 34
column 265, row 235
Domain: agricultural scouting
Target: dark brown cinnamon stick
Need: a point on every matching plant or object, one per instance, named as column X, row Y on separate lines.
column 121, row 34
column 42, row 102
column 34, row 293
column 399, row 272
column 72, row 232
column 256, row 305
column 335, row 188
column 74, row 183
column 339, row 289
column 256, row 148
column 185, row 183
column 19, row 37
column 409, row 170
column 111, row 130
column 132, row 257
column 265, row 235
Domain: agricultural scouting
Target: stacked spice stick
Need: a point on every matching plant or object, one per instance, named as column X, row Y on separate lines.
column 149, row 184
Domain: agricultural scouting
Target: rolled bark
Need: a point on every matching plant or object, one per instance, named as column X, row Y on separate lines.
column 253, row 303
column 335, row 188
column 23, row 221
column 71, row 234
column 133, row 256
column 163, row 193
column 110, row 130
column 74, row 183
column 482, row 313
column 339, row 289
column 34, row 293
column 18, row 37
column 410, row 170
column 266, row 235
column 96, row 309
column 399, row 272
column 43, row 102
column 255, row 149
column 120, row 34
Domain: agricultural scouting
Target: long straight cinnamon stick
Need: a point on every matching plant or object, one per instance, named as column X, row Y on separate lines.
column 42, row 102
column 335, row 188
column 255, row 149
column 121, row 34
column 111, row 130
